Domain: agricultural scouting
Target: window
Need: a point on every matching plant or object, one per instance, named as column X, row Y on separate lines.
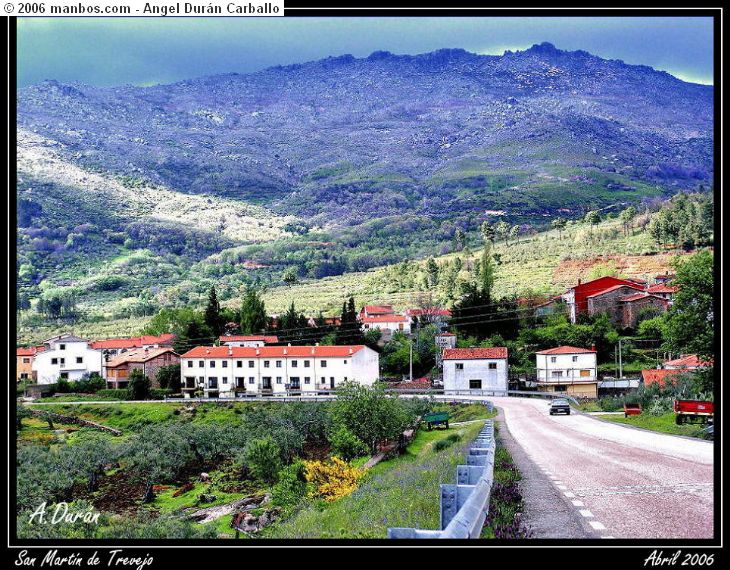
column 54, row 360
column 323, row 380
column 344, row 379
column 575, row 359
column 202, row 380
column 26, row 361
column 294, row 363
column 278, row 379
column 224, row 364
column 251, row 363
column 24, row 376
column 63, row 361
column 460, row 366
column 266, row 363
column 79, row 360
column 278, row 363
column 306, row 364
column 61, row 347
column 323, row 363
column 225, row 379
column 64, row 375
column 553, row 359
column 306, row 379
column 251, row 380
column 212, row 363
column 190, row 363
column 475, row 384
column 239, row 363
column 201, row 363
column 492, row 366
column 557, row 373
column 345, row 361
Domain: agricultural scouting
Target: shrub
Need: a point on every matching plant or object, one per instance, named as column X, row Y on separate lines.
column 346, row 444
column 160, row 393
column 263, row 459
column 115, row 393
column 332, row 479
column 63, row 386
column 291, row 486
column 139, row 385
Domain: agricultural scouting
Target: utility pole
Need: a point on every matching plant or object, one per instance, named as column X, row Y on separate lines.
column 410, row 359
column 620, row 361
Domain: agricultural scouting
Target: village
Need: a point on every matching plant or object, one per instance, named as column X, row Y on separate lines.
column 240, row 365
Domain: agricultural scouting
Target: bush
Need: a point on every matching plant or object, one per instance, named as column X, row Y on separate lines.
column 346, row 444
column 63, row 386
column 291, row 486
column 114, row 393
column 263, row 459
column 160, row 393
column 332, row 479
column 139, row 385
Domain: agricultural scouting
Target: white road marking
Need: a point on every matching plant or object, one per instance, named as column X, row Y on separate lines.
column 586, row 513
column 569, row 494
column 596, row 525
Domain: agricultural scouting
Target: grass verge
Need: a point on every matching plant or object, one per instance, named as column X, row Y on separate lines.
column 664, row 423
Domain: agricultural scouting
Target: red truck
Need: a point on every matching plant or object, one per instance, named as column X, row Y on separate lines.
column 693, row 411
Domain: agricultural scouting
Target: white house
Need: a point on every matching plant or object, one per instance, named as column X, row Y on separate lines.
column 66, row 356
column 222, row 371
column 252, row 340
column 568, row 369
column 387, row 324
column 475, row 368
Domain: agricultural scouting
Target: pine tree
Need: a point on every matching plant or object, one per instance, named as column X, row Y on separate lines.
column 253, row 313
column 213, row 312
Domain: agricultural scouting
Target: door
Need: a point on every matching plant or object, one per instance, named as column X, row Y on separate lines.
column 294, row 383
column 266, row 382
column 332, row 382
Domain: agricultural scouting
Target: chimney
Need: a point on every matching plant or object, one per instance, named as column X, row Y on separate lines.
column 593, row 347
column 258, row 352
column 578, row 281
column 349, row 350
column 230, row 350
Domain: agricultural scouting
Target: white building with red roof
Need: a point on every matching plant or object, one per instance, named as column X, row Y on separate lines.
column 224, row 371
column 475, row 369
column 248, row 340
column 569, row 369
column 387, row 324
column 66, row 356
column 687, row 362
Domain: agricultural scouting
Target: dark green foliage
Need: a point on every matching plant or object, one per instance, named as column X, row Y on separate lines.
column 689, row 324
column 687, row 222
column 169, row 377
column 212, row 314
column 291, row 486
column 349, row 331
column 139, row 385
column 263, row 459
column 346, row 445
column 253, row 313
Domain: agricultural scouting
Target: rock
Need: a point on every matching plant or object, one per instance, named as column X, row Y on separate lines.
column 205, row 477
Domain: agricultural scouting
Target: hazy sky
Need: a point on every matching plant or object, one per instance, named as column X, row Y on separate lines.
column 146, row 51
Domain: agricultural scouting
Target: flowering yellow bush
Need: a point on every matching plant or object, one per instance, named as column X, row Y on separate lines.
column 332, row 479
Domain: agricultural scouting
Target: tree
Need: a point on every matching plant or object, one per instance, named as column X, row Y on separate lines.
column 346, row 445
column 290, row 276
column 627, row 218
column 263, row 459
column 349, row 331
column 689, row 324
column 194, row 333
column 139, row 385
column 369, row 413
column 20, row 413
column 169, row 377
column 502, row 229
column 514, row 231
column 486, row 268
column 487, row 231
column 432, row 272
column 593, row 218
column 253, row 313
column 559, row 224
column 213, row 312
column 459, row 239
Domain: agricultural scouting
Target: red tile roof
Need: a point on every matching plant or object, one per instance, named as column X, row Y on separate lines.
column 445, row 334
column 637, row 296
column 662, row 288
column 385, row 319
column 431, row 311
column 271, row 351
column 566, row 350
column 377, row 309
column 132, row 342
column 30, row 351
column 269, row 339
column 475, row 353
column 613, row 288
column 140, row 355
column 689, row 361
column 654, row 376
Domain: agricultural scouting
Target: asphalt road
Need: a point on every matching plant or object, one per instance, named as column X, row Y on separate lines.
column 625, row 483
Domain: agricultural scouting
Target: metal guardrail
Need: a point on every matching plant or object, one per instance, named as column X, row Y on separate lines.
column 463, row 506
